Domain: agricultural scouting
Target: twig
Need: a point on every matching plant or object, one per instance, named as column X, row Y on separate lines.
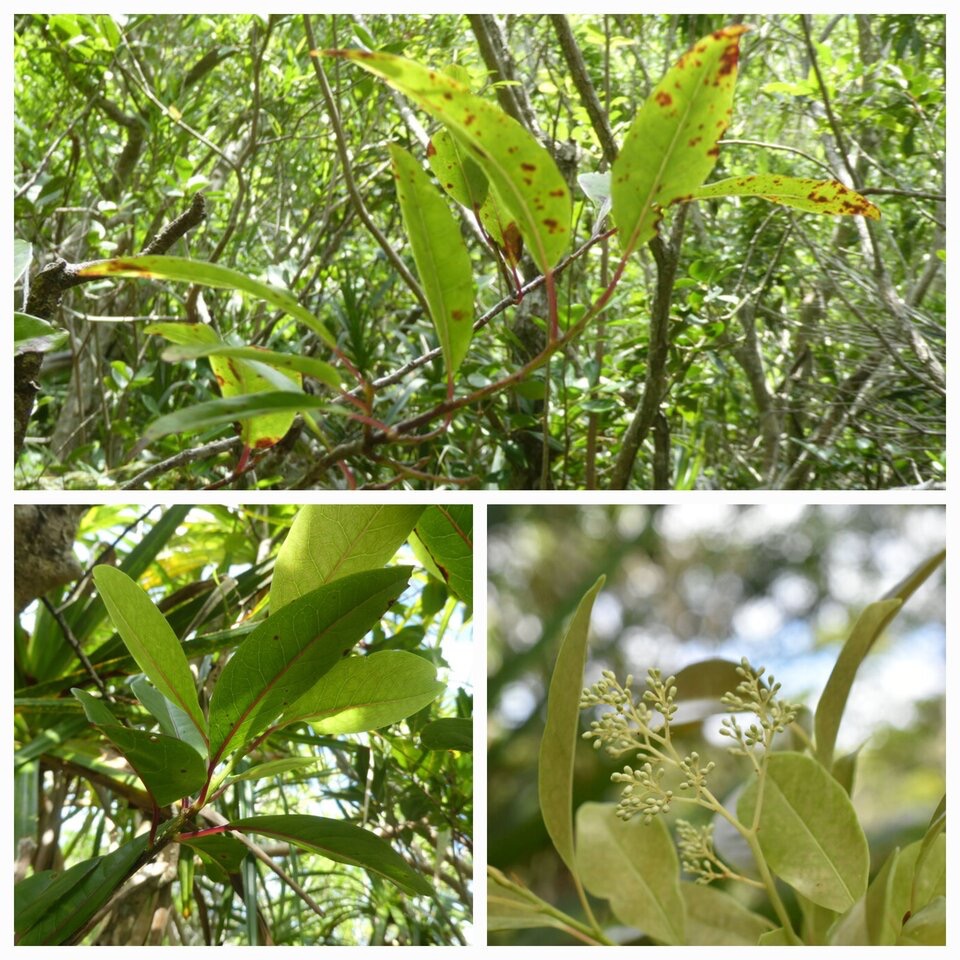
column 179, row 459
column 75, row 645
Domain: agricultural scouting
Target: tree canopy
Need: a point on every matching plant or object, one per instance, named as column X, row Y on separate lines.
column 697, row 336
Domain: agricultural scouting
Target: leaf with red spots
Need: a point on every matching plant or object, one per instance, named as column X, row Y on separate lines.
column 523, row 174
column 443, row 262
column 240, row 377
column 671, row 146
column 813, row 196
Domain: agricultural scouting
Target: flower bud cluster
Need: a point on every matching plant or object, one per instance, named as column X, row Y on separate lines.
column 695, row 775
column 755, row 696
column 697, row 853
column 643, row 793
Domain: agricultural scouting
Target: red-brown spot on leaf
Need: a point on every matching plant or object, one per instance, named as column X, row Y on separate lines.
column 530, row 167
column 713, row 152
column 431, row 149
column 557, row 193
column 729, row 58
column 447, row 95
column 551, row 224
column 264, row 442
column 220, row 380
column 469, row 119
column 456, row 314
column 693, row 141
column 663, row 98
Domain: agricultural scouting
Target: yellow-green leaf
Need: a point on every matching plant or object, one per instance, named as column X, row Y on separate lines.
column 524, row 174
column 443, row 262
column 813, row 196
column 671, row 146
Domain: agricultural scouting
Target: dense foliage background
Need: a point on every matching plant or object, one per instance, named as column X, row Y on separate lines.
column 800, row 351
column 209, row 569
column 779, row 585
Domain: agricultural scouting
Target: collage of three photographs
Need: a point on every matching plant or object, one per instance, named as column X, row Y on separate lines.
column 479, row 480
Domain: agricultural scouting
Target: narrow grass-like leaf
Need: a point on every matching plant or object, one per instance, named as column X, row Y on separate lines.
column 809, row 832
column 208, row 275
column 634, row 866
column 448, row 733
column 522, row 172
column 291, row 650
column 561, row 734
column 328, row 541
column 150, row 640
column 443, row 262
column 812, row 196
column 272, row 768
column 366, row 693
column 869, row 625
column 340, row 841
column 70, row 901
column 716, row 919
column 444, row 544
column 671, row 145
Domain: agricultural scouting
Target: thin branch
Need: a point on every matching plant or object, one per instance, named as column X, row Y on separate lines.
column 207, row 451
column 75, row 646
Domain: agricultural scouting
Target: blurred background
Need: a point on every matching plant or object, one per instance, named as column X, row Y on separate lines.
column 780, row 585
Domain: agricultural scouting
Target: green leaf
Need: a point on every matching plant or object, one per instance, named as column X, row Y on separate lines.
column 561, row 733
column 173, row 721
column 366, row 693
column 238, row 377
column 219, row 848
column 328, row 541
column 67, row 903
column 512, row 907
column 634, row 866
column 342, row 842
column 870, row 624
column 150, row 640
column 715, row 919
column 22, row 255
column 282, row 361
column 809, row 832
column 927, row 927
column 292, row 649
column 812, row 196
column 33, row 334
column 524, row 175
column 456, row 172
column 445, row 534
column 169, row 768
column 271, row 768
column 217, row 413
column 671, row 145
column 443, row 262
column 448, row 733
column 208, row 275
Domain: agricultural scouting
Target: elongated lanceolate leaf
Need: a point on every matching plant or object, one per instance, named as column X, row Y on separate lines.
column 150, row 640
column 329, row 541
column 292, row 649
column 512, row 907
column 173, row 721
column 870, row 624
column 70, row 901
column 443, row 263
column 561, row 734
column 208, row 275
column 169, row 768
column 813, row 196
column 634, row 866
column 524, row 175
column 809, row 832
column 366, row 693
column 340, row 841
column 272, row 768
column 444, row 545
column 716, row 919
column 671, row 146
column 34, row 333
column 448, row 733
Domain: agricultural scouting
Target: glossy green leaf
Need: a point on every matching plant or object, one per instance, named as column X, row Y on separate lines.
column 443, row 263
column 22, row 255
column 219, row 848
column 343, row 842
column 328, row 541
column 448, row 733
column 150, row 640
column 671, row 145
column 35, row 334
column 444, row 544
column 67, row 903
column 716, row 919
column 812, row 196
column 168, row 767
column 272, row 768
column 239, row 377
column 292, row 649
column 173, row 721
column 524, row 175
column 927, row 927
column 870, row 624
column 809, row 832
column 366, row 693
column 456, row 172
column 512, row 907
column 633, row 865
column 217, row 413
column 208, row 275
column 317, row 369
column 562, row 732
